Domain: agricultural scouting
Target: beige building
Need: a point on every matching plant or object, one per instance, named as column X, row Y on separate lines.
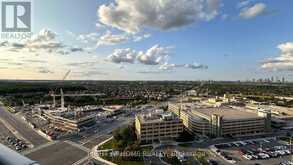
column 282, row 117
column 222, row 121
column 157, row 126
column 72, row 123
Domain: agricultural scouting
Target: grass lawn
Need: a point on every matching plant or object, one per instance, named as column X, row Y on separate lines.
column 186, row 145
column 107, row 145
column 202, row 156
column 120, row 161
column 286, row 140
column 146, row 150
column 123, row 162
column 172, row 160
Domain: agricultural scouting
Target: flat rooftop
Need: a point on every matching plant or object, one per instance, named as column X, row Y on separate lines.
column 157, row 117
column 228, row 113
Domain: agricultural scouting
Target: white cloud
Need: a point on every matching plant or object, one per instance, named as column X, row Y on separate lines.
column 45, row 41
column 152, row 72
column 132, row 16
column 154, row 56
column 167, row 66
column 122, row 56
column 284, row 61
column 88, row 73
column 138, row 38
column 44, row 70
column 253, row 11
column 112, row 39
column 195, row 66
column 99, row 26
column 84, row 38
column 87, row 38
column 243, row 3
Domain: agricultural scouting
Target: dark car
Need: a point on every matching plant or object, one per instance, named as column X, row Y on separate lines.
column 213, row 162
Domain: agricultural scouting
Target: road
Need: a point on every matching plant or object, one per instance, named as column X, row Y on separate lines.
column 61, row 152
column 105, row 133
column 23, row 129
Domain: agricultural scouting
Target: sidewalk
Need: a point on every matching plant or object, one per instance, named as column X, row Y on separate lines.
column 95, row 153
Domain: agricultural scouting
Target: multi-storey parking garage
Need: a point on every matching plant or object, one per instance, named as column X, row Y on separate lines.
column 222, row 121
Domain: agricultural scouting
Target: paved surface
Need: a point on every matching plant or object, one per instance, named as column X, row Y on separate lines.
column 96, row 141
column 105, row 133
column 26, row 131
column 61, row 153
column 4, row 132
column 233, row 152
column 275, row 161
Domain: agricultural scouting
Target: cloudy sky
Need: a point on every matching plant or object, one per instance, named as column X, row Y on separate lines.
column 154, row 40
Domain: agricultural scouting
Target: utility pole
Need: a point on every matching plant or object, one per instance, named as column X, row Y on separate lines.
column 291, row 148
column 62, row 99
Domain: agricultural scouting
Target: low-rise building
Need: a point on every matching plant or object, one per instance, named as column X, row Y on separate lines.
column 114, row 109
column 222, row 121
column 157, row 126
column 66, row 121
column 282, row 117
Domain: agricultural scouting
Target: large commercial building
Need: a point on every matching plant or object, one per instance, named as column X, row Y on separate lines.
column 157, row 126
column 66, row 121
column 222, row 121
column 282, row 117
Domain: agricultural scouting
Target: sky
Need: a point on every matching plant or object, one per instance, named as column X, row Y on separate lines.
column 153, row 40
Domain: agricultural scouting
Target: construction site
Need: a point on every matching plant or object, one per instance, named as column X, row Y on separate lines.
column 57, row 120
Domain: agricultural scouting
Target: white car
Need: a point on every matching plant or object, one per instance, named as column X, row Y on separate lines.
column 266, row 141
column 231, row 161
column 243, row 143
column 249, row 157
column 281, row 152
column 263, row 155
column 287, row 152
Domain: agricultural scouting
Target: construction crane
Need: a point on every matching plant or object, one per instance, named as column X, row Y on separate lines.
column 61, row 91
column 66, row 75
column 62, row 95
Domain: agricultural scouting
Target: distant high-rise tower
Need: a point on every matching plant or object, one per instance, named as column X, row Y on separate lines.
column 62, row 98
column 283, row 79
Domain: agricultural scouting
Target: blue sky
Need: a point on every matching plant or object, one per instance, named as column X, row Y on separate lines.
column 192, row 40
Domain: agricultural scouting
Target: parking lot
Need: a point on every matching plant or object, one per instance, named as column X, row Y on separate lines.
column 4, row 133
column 7, row 138
column 258, row 151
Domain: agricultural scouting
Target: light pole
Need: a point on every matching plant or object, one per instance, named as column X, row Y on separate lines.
column 291, row 148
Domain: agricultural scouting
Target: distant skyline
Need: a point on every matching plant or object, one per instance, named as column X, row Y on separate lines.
column 154, row 40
